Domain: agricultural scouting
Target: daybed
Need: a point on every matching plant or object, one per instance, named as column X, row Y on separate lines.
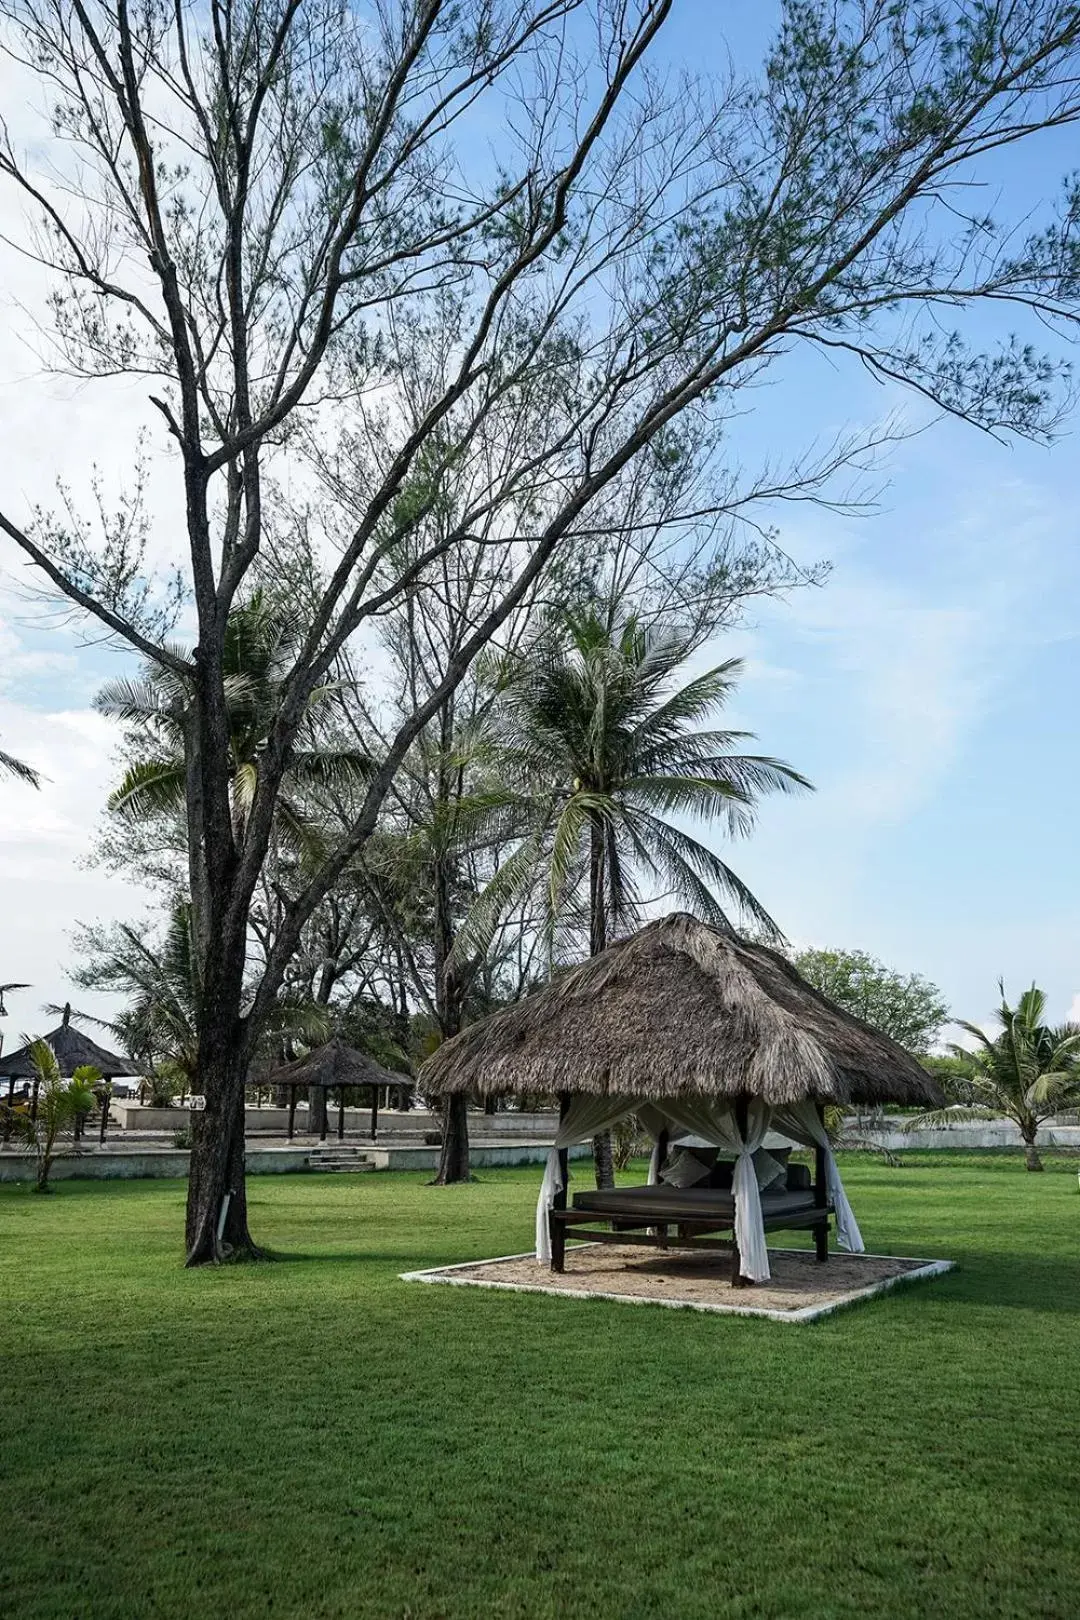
column 668, row 1217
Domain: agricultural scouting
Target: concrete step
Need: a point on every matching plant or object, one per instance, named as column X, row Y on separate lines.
column 340, row 1159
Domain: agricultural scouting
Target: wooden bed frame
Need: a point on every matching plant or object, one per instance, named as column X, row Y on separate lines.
column 690, row 1224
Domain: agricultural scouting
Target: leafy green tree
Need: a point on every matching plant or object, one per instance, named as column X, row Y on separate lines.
column 57, row 1106
column 81, row 1088
column 262, row 637
column 159, row 1025
column 1026, row 1073
column 903, row 1005
column 952, row 1071
column 603, row 755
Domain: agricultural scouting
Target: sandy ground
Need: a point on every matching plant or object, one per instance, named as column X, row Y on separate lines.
column 798, row 1282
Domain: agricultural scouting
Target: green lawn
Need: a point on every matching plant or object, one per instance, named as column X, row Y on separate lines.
column 315, row 1438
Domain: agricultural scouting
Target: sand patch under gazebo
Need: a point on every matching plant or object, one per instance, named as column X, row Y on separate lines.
column 798, row 1290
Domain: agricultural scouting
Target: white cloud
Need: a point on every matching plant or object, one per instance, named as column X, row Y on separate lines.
column 45, row 888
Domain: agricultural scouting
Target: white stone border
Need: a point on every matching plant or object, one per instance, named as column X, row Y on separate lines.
column 807, row 1313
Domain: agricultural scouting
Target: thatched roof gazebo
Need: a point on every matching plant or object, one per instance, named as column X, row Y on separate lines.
column 334, row 1066
column 701, row 1034
column 73, row 1051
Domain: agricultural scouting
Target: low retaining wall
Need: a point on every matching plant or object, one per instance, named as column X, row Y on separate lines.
column 397, row 1122
column 136, row 1165
column 133, row 1164
column 992, row 1134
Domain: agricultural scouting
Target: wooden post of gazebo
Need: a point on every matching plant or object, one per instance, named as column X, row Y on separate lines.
column 341, row 1114
column 292, row 1111
column 374, row 1111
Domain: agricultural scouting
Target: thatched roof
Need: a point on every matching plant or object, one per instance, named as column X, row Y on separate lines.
column 332, row 1065
column 680, row 1009
column 72, row 1049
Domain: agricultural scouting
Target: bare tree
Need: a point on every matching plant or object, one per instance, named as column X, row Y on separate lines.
column 249, row 197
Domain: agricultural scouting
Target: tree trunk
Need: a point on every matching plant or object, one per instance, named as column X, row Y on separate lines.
column 1032, row 1161
column 603, row 1160
column 603, row 1156
column 317, row 1117
column 216, row 1230
column 449, row 995
column 454, row 1158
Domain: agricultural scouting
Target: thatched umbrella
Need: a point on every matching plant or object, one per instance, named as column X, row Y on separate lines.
column 337, row 1067
column 680, row 1009
column 73, row 1050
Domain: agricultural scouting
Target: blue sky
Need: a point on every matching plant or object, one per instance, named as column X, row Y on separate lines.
column 929, row 689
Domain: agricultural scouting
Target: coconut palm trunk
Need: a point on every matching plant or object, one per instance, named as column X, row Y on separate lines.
column 1032, row 1159
column 603, row 1153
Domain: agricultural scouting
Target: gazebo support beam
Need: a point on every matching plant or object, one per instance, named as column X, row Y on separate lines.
column 341, row 1114
column 292, row 1111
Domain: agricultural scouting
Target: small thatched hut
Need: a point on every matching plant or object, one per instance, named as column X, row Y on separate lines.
column 334, row 1066
column 700, row 1034
column 73, row 1051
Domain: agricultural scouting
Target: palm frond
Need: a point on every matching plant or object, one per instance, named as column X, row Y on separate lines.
column 150, row 787
column 19, row 769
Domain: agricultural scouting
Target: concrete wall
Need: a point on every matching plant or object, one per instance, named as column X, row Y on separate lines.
column 130, row 1164
column 135, row 1166
column 411, row 1122
column 991, row 1133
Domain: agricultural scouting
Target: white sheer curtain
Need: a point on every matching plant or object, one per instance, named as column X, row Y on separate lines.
column 585, row 1117
column 715, row 1122
column 654, row 1122
column 800, row 1121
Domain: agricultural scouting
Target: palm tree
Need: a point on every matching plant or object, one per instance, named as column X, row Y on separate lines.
column 10, row 766
column 261, row 642
column 159, row 1025
column 601, row 753
column 1026, row 1073
column 55, row 1110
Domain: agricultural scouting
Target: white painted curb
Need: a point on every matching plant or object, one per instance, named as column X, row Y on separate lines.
column 807, row 1313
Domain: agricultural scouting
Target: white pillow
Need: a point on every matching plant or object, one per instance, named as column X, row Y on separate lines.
column 767, row 1169
column 688, row 1167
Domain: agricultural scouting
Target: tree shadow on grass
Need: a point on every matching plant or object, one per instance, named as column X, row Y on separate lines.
column 1015, row 1281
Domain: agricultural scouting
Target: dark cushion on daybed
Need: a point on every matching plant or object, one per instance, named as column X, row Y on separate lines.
column 686, row 1203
